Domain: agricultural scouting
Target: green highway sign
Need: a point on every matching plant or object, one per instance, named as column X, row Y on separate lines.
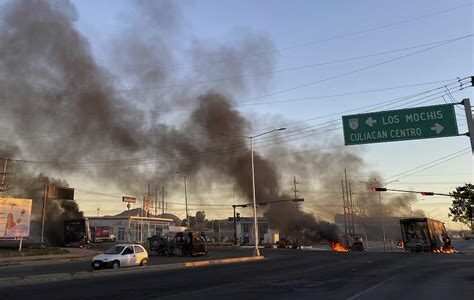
column 401, row 124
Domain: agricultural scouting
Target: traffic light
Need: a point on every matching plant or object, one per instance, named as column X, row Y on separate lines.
column 427, row 193
column 238, row 217
column 376, row 189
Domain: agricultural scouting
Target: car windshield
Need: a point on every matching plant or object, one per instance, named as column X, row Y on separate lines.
column 114, row 250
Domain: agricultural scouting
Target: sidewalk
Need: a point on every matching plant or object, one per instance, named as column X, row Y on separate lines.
column 74, row 254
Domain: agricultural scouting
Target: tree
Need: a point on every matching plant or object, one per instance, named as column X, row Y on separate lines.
column 461, row 209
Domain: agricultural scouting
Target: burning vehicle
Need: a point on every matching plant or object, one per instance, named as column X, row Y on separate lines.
column 338, row 247
column 77, row 233
column 188, row 243
column 425, row 235
column 356, row 243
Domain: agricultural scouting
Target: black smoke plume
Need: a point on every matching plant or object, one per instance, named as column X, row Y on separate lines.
column 73, row 114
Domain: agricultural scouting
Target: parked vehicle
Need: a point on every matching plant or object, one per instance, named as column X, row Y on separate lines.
column 188, row 243
column 77, row 233
column 102, row 234
column 425, row 235
column 121, row 255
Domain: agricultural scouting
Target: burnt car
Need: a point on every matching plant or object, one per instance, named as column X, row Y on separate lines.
column 188, row 243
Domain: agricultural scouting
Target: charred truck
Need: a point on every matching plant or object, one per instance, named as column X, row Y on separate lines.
column 188, row 243
column 425, row 235
column 77, row 233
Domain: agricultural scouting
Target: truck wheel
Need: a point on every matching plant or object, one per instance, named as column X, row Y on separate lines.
column 144, row 262
column 116, row 264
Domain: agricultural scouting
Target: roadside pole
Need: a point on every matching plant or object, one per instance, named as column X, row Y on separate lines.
column 344, row 207
column 45, row 199
column 383, row 226
column 3, row 186
column 470, row 122
column 235, row 226
column 255, row 220
column 470, row 127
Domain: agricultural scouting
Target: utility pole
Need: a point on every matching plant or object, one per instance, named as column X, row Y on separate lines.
column 344, row 207
column 186, row 202
column 347, row 201
column 98, row 210
column 45, row 199
column 162, row 200
column 148, row 202
column 3, row 186
column 352, row 209
column 295, row 190
column 470, row 122
column 235, row 226
column 156, row 200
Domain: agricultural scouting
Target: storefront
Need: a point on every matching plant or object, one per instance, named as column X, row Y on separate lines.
column 133, row 228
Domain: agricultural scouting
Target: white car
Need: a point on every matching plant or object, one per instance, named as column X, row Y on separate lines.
column 121, row 255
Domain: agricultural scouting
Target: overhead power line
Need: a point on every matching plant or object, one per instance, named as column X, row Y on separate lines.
column 228, row 149
column 320, row 41
column 356, row 70
column 270, row 72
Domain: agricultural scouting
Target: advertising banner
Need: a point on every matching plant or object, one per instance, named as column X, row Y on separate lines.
column 15, row 215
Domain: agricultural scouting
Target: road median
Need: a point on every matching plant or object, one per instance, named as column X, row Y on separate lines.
column 55, row 277
column 74, row 254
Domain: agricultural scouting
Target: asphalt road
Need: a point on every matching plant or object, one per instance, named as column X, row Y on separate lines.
column 285, row 274
column 67, row 266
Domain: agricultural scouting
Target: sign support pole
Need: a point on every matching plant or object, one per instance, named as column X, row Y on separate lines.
column 45, row 198
column 470, row 123
column 21, row 244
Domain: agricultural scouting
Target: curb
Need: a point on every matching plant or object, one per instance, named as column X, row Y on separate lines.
column 26, row 259
column 34, row 279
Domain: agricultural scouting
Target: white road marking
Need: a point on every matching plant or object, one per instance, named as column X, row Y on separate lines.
column 372, row 288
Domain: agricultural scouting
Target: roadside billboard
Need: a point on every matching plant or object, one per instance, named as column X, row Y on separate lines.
column 15, row 215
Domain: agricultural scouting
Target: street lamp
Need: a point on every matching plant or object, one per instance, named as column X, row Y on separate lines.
column 255, row 223
column 185, row 199
column 234, row 219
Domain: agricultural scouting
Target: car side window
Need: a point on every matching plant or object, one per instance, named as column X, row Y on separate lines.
column 138, row 249
column 127, row 250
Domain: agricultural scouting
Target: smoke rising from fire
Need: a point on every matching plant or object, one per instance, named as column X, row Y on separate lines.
column 70, row 113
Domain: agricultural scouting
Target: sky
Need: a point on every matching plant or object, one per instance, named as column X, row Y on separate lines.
column 307, row 37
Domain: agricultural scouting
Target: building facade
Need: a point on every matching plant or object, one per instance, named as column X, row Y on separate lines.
column 134, row 228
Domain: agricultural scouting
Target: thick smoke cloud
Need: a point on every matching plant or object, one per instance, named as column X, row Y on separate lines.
column 66, row 110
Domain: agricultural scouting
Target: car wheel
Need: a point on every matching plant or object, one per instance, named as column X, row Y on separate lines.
column 116, row 265
column 144, row 262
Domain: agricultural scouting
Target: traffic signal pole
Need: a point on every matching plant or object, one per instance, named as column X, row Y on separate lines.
column 235, row 227
column 383, row 225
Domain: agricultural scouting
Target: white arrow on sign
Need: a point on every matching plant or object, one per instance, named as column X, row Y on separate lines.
column 437, row 127
column 370, row 121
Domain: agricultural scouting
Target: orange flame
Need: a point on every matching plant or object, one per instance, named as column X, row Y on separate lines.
column 338, row 247
column 445, row 249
